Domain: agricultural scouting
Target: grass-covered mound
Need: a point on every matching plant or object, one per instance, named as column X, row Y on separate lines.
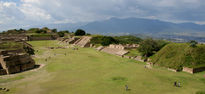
column 177, row 55
column 10, row 45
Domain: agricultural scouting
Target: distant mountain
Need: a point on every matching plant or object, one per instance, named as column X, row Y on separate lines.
column 142, row 26
column 138, row 26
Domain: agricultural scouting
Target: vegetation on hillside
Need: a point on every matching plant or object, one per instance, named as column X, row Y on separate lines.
column 148, row 47
column 10, row 45
column 177, row 55
column 103, row 40
column 128, row 39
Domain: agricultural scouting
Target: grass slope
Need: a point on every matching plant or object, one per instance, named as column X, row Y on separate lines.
column 9, row 45
column 176, row 55
column 87, row 71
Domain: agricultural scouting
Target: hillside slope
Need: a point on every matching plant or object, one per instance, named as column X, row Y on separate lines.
column 177, row 55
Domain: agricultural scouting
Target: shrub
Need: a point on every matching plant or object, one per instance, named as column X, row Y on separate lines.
column 103, row 40
column 149, row 46
column 128, row 39
column 80, row 32
column 200, row 92
column 54, row 30
column 193, row 43
column 61, row 34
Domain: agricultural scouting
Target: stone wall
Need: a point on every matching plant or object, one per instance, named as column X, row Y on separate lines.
column 131, row 46
column 117, row 46
column 68, row 40
column 139, row 58
column 99, row 48
column 174, row 70
column 189, row 70
column 193, row 70
column 11, row 37
column 33, row 38
column 15, row 61
column 122, row 47
column 114, row 51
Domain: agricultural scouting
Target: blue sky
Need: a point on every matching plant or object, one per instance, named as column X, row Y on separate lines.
column 23, row 13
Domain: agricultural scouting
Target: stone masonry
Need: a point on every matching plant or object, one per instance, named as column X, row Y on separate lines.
column 14, row 61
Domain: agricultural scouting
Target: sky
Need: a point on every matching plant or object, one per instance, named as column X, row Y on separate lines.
column 25, row 13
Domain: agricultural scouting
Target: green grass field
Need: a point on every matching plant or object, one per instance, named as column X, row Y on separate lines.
column 87, row 71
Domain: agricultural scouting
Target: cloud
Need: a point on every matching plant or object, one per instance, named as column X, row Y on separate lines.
column 31, row 12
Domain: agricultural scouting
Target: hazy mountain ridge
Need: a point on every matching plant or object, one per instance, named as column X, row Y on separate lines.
column 138, row 25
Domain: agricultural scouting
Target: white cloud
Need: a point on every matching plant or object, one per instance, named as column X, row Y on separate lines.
column 32, row 12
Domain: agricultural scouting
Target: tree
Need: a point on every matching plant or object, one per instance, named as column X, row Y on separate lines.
column 149, row 46
column 54, row 30
column 108, row 40
column 193, row 43
column 65, row 31
column 80, row 32
column 34, row 30
column 128, row 39
column 61, row 34
column 103, row 40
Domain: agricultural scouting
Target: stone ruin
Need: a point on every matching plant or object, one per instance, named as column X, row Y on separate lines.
column 70, row 40
column 15, row 60
column 139, row 58
column 116, row 50
column 13, row 37
column 83, row 41
column 123, row 47
column 99, row 48
column 193, row 70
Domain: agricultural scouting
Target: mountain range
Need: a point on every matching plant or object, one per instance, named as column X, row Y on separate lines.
column 131, row 26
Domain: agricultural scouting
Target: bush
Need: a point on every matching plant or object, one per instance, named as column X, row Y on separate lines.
column 193, row 43
column 54, row 30
column 149, row 46
column 61, row 34
column 128, row 39
column 34, row 30
column 103, row 40
column 80, row 32
column 200, row 92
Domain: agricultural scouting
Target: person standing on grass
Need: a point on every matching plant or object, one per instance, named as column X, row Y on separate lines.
column 175, row 83
column 179, row 84
column 126, row 87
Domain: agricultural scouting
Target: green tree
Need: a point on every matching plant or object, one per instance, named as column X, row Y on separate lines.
column 103, row 40
column 34, row 30
column 80, row 32
column 61, row 34
column 65, row 31
column 54, row 30
column 149, row 46
column 128, row 39
column 193, row 43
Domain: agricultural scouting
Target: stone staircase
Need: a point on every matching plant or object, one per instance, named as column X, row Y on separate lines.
column 83, row 42
column 114, row 51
